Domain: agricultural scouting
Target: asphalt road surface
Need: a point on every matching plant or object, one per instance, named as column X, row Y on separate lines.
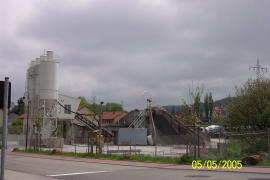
column 71, row 170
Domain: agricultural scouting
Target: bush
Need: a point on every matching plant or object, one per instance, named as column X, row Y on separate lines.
column 187, row 159
column 16, row 126
column 258, row 145
column 17, row 122
column 250, row 108
column 15, row 129
column 234, row 149
column 265, row 162
column 239, row 148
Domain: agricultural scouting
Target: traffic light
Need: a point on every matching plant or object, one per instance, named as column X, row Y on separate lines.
column 2, row 89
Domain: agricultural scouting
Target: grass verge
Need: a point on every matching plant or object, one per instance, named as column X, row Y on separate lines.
column 140, row 158
column 265, row 162
column 185, row 159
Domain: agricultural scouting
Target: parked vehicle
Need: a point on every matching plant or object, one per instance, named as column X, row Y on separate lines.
column 213, row 128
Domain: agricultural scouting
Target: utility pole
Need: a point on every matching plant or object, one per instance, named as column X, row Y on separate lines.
column 154, row 133
column 99, row 132
column 4, row 135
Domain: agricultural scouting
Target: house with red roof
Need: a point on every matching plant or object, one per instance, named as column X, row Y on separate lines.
column 219, row 111
column 112, row 117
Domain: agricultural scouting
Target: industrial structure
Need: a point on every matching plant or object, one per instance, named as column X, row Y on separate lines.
column 159, row 127
column 42, row 100
column 258, row 69
column 54, row 119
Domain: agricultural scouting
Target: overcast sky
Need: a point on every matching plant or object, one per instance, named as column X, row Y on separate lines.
column 123, row 50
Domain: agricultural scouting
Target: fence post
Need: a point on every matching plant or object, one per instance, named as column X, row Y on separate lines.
column 219, row 147
column 268, row 141
column 88, row 145
column 198, row 142
column 130, row 145
column 92, row 147
column 135, row 142
column 195, row 149
column 107, row 148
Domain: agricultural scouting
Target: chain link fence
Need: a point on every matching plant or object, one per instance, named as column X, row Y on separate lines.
column 237, row 145
column 222, row 144
column 88, row 145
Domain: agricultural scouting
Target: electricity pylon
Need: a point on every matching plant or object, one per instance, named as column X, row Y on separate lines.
column 259, row 70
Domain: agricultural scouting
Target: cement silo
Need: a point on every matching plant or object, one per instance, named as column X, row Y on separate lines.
column 42, row 95
column 33, row 79
column 48, row 77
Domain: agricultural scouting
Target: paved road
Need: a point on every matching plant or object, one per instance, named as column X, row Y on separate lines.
column 69, row 170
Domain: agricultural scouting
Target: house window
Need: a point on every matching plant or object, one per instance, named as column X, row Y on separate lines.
column 67, row 108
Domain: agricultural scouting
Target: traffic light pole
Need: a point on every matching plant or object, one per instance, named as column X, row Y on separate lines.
column 4, row 135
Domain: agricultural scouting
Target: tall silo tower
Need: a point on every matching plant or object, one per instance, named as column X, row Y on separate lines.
column 42, row 95
column 48, row 92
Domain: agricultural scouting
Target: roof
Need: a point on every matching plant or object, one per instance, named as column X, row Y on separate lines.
column 80, row 107
column 218, row 108
column 112, row 114
column 22, row 116
column 179, row 116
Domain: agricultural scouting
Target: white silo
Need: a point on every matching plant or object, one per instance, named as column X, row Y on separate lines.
column 42, row 92
column 48, row 77
column 35, row 74
column 31, row 80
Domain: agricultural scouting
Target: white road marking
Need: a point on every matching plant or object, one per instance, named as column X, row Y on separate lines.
column 70, row 174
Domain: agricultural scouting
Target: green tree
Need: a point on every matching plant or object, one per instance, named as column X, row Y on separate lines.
column 113, row 106
column 93, row 106
column 20, row 107
column 195, row 96
column 250, row 109
column 192, row 109
column 190, row 115
column 206, row 106
column 83, row 102
column 210, row 106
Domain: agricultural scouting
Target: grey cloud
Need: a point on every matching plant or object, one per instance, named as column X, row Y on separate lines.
column 118, row 50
